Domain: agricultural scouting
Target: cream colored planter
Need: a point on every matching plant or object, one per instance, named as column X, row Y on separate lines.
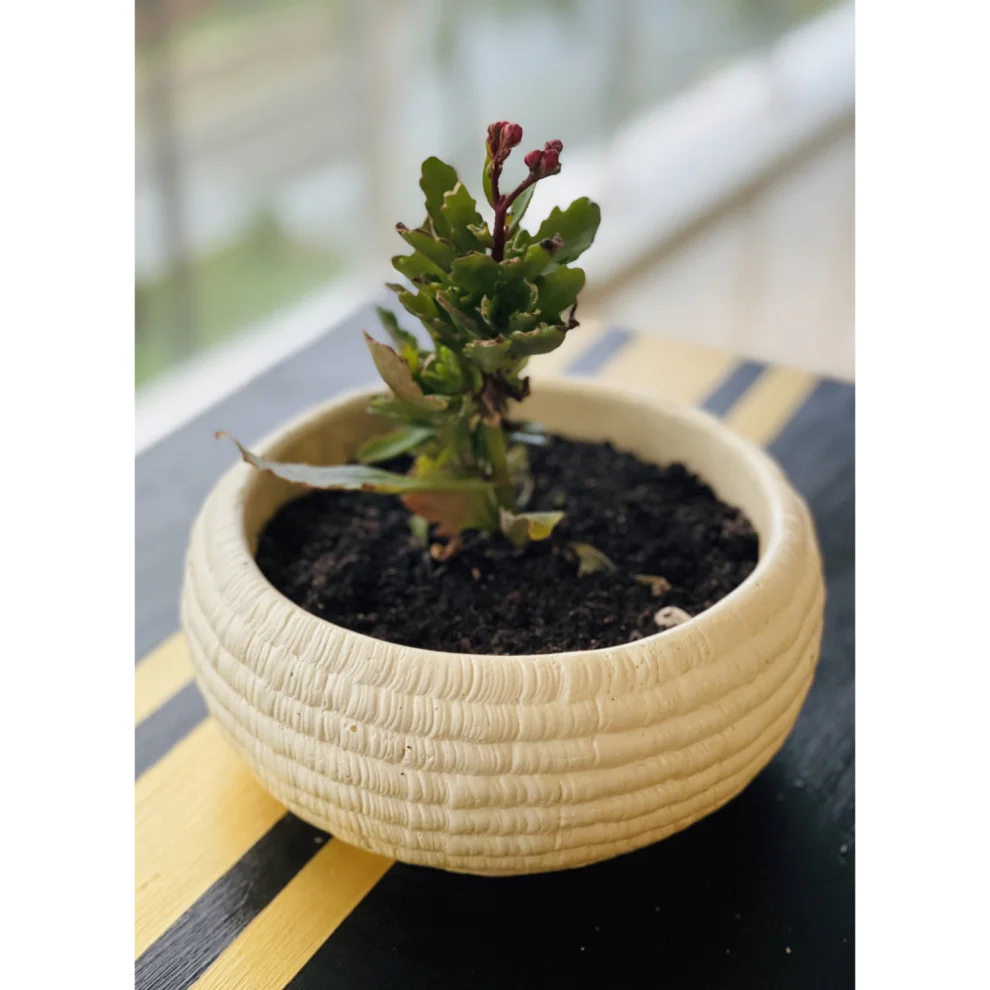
column 503, row 765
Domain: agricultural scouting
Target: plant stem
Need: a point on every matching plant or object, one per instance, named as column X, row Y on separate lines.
column 498, row 230
column 521, row 188
column 504, row 490
column 502, row 204
column 498, row 235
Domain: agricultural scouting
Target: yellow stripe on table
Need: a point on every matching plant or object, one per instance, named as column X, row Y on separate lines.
column 773, row 398
column 282, row 939
column 199, row 810
column 667, row 369
column 160, row 676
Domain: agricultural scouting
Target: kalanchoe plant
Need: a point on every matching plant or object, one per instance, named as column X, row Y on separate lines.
column 490, row 298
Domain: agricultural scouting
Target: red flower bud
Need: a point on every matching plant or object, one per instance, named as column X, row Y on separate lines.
column 547, row 161
column 503, row 136
column 494, row 134
column 511, row 136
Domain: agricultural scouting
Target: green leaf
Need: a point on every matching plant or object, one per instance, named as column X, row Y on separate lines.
column 402, row 338
column 358, row 477
column 487, row 354
column 591, row 559
column 437, row 179
column 460, row 211
column 416, row 266
column 486, row 180
column 519, row 206
column 417, row 303
column 387, row 445
column 523, row 321
column 441, row 372
column 483, row 234
column 518, row 242
column 443, row 333
column 523, row 527
column 558, row 291
column 476, row 272
column 386, row 404
column 476, row 380
column 542, row 340
column 527, row 297
column 577, row 226
column 397, row 375
column 441, row 252
column 429, row 284
column 463, row 321
column 420, row 529
column 534, row 261
column 513, row 294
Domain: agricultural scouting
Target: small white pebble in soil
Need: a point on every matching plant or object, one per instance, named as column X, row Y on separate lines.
column 670, row 616
column 788, row 950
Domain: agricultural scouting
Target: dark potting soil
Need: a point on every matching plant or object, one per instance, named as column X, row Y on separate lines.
column 349, row 557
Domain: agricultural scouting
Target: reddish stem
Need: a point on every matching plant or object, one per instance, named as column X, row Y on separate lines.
column 498, row 231
column 498, row 236
column 501, row 208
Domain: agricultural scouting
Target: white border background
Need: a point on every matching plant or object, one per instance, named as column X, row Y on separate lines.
column 67, row 399
column 923, row 317
column 923, row 689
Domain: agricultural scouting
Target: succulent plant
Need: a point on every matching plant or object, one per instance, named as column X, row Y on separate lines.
column 490, row 297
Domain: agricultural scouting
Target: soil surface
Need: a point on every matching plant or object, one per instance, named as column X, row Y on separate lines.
column 350, row 558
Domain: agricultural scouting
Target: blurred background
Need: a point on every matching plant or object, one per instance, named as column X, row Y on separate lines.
column 278, row 142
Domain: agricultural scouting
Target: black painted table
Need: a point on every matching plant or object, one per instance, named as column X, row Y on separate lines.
column 234, row 892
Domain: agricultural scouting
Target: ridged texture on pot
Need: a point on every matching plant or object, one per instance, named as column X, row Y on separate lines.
column 504, row 765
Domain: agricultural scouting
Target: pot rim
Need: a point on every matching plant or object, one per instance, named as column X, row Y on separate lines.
column 235, row 486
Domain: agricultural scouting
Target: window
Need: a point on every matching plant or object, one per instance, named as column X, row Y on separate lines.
column 279, row 142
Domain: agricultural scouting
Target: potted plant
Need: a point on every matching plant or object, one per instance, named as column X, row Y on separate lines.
column 587, row 621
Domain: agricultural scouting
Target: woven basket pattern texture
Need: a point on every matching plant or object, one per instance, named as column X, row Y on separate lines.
column 507, row 765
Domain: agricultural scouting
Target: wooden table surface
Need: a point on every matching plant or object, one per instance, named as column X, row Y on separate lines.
column 234, row 892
